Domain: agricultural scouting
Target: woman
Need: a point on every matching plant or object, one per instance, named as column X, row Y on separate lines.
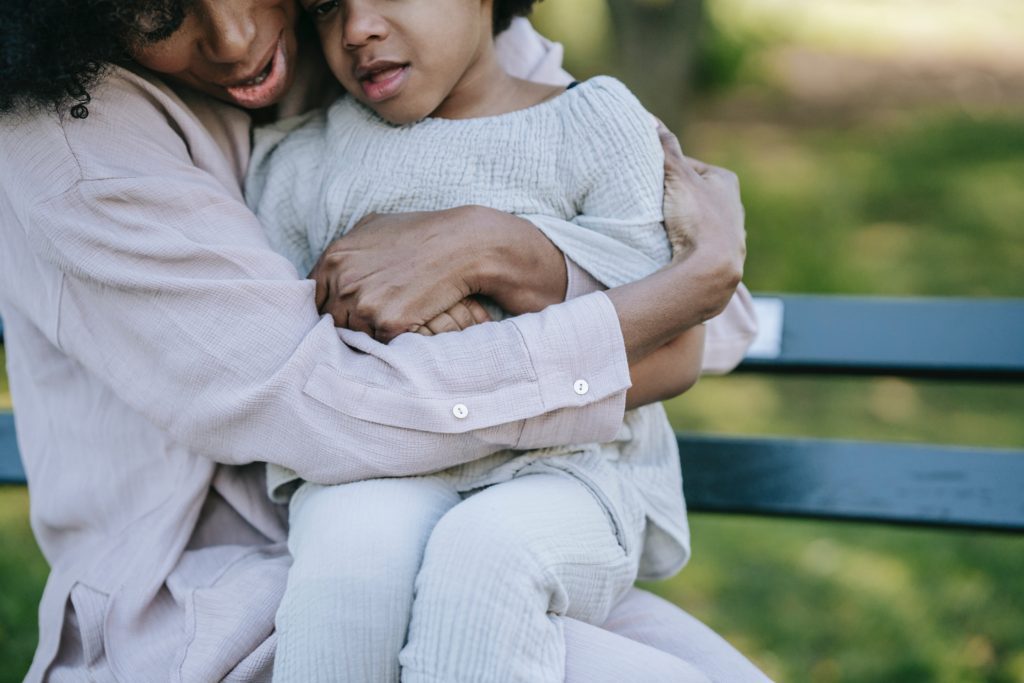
column 159, row 349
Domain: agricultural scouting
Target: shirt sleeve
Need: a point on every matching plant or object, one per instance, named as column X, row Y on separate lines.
column 618, row 236
column 617, row 178
column 170, row 295
column 526, row 54
column 728, row 335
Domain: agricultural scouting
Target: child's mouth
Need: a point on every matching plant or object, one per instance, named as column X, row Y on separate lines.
column 383, row 80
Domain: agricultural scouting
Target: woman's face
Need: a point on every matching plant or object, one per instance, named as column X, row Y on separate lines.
column 239, row 51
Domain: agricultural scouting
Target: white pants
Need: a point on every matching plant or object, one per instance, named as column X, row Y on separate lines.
column 406, row 577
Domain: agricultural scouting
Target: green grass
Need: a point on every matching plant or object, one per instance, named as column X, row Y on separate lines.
column 926, row 204
column 22, row 575
column 5, row 395
column 822, row 602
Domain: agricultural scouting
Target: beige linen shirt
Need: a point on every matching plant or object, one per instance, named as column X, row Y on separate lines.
column 158, row 350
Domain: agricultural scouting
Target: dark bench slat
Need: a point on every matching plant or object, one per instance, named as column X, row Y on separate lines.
column 902, row 483
column 881, row 482
column 947, row 337
column 11, row 471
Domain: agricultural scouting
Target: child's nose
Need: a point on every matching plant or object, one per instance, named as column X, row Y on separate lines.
column 363, row 24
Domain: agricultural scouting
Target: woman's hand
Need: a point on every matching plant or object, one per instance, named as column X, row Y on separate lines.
column 393, row 273
column 702, row 206
column 463, row 314
column 704, row 221
column 408, row 272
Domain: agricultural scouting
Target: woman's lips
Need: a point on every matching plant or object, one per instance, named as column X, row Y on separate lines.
column 380, row 85
column 267, row 86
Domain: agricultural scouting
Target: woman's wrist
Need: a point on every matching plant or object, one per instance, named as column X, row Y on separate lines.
column 518, row 267
column 676, row 298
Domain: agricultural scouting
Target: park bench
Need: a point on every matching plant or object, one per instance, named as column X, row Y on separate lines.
column 903, row 483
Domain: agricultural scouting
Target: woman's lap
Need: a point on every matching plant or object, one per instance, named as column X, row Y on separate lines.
column 645, row 620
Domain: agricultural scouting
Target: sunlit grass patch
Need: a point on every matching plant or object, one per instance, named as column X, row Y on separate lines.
column 827, row 601
column 5, row 393
column 22, row 575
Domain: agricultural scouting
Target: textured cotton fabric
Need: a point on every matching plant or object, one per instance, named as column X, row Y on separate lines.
column 156, row 346
column 150, row 334
column 589, row 157
column 494, row 575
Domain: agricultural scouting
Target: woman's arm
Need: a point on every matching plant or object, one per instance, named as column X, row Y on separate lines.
column 149, row 273
column 403, row 265
column 668, row 371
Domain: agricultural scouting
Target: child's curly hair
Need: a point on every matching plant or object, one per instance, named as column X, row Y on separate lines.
column 507, row 10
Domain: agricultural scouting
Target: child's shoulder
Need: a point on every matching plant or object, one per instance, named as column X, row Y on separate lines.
column 607, row 92
column 603, row 105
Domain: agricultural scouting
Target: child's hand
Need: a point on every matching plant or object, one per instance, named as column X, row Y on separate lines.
column 465, row 313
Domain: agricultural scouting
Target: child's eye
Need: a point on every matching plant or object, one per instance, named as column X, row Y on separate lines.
column 321, row 10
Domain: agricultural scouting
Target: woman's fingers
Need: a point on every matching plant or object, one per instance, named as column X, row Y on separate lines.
column 702, row 206
column 676, row 163
column 479, row 313
column 443, row 323
column 462, row 315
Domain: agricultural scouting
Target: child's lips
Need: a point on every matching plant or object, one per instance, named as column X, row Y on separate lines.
column 384, row 82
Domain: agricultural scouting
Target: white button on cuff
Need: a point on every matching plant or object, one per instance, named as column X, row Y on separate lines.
column 460, row 411
column 580, row 386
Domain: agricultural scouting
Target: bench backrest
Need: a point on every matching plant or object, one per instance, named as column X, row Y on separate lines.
column 965, row 339
column 962, row 339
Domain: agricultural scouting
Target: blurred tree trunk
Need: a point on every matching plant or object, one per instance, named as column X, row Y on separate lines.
column 656, row 44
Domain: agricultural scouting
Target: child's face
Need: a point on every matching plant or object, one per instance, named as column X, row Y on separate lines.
column 402, row 58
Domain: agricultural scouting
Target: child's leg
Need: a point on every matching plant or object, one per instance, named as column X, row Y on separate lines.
column 357, row 549
column 500, row 568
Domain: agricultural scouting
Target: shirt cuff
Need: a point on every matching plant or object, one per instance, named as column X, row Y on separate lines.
column 578, row 281
column 582, row 373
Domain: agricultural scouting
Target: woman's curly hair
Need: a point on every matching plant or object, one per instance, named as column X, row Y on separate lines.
column 507, row 10
column 53, row 51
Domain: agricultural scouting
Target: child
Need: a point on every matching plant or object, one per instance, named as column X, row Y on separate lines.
column 468, row 568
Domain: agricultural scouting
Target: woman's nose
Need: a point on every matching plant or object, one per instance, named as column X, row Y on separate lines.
column 362, row 24
column 229, row 30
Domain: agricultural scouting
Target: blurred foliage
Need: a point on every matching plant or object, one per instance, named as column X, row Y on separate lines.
column 929, row 204
column 880, row 144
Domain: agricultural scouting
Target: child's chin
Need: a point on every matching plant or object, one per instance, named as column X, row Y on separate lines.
column 398, row 116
